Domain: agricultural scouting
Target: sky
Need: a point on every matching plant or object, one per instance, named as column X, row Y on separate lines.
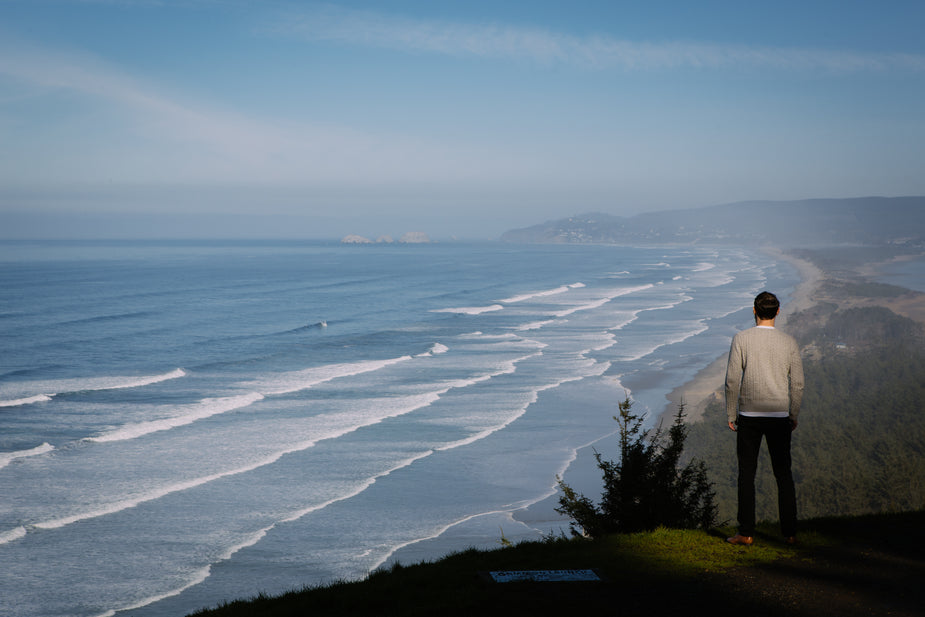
column 264, row 118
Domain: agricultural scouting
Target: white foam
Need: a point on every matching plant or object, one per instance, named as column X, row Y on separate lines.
column 204, row 409
column 435, row 350
column 253, row 538
column 131, row 502
column 470, row 310
column 12, row 535
column 597, row 370
column 642, row 353
column 7, row 457
column 45, row 390
column 439, row 531
column 542, row 294
column 584, row 307
column 536, row 325
column 553, row 489
column 481, row 336
column 294, row 381
column 602, row 301
column 338, row 425
column 29, row 400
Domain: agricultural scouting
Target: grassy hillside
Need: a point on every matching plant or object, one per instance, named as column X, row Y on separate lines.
column 846, row 566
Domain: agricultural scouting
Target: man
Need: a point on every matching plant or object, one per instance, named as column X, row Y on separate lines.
column 764, row 388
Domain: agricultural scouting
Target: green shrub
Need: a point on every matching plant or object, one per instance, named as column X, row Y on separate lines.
column 645, row 488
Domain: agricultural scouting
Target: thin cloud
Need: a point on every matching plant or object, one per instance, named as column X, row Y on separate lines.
column 49, row 70
column 598, row 52
column 221, row 144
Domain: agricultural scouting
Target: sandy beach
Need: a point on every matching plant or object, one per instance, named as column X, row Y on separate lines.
column 708, row 384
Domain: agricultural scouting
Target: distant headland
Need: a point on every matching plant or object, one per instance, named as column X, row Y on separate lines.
column 784, row 224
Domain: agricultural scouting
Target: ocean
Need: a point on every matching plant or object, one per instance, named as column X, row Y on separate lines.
column 183, row 423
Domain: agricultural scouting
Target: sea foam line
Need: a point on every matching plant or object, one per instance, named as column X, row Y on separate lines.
column 204, row 573
column 573, row 456
column 286, row 383
column 435, row 350
column 29, row 400
column 599, row 369
column 602, row 301
column 53, row 388
column 204, row 409
column 702, row 327
column 439, row 531
column 12, row 535
column 470, row 310
column 536, row 325
column 292, row 382
column 126, row 504
column 118, row 383
column 8, row 457
column 541, row 294
column 413, row 403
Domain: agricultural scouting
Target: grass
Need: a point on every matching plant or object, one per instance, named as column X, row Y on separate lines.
column 658, row 572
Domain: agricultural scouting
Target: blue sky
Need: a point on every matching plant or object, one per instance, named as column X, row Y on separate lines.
column 302, row 119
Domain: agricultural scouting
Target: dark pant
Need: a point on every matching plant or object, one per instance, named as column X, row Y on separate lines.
column 749, row 431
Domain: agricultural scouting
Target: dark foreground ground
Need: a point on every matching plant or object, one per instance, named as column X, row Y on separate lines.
column 844, row 566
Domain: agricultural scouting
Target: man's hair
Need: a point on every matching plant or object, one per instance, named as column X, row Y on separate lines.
column 766, row 305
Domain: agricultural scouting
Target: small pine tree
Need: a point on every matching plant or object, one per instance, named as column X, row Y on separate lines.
column 646, row 488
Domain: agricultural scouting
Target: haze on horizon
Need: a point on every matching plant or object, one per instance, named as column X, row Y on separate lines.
column 242, row 118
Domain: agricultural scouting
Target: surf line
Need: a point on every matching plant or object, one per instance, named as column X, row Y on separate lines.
column 201, row 575
column 126, row 504
column 8, row 457
column 29, row 400
column 510, row 509
column 206, row 408
column 91, row 384
column 422, row 400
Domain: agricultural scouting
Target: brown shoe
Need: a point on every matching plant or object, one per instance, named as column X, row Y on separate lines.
column 740, row 539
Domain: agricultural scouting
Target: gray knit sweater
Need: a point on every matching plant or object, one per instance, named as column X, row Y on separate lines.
column 764, row 373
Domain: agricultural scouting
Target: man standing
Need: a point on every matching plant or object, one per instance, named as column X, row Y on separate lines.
column 764, row 388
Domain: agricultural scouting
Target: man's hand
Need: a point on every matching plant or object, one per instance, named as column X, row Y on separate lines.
column 732, row 426
column 793, row 424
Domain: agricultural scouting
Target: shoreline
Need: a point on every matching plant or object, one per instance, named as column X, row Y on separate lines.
column 709, row 383
column 706, row 385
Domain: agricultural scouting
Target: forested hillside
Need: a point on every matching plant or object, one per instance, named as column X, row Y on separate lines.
column 860, row 444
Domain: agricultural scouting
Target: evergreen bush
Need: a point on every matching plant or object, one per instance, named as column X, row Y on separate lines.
column 645, row 488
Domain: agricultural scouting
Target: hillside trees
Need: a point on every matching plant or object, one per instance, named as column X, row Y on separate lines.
column 860, row 444
column 645, row 487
